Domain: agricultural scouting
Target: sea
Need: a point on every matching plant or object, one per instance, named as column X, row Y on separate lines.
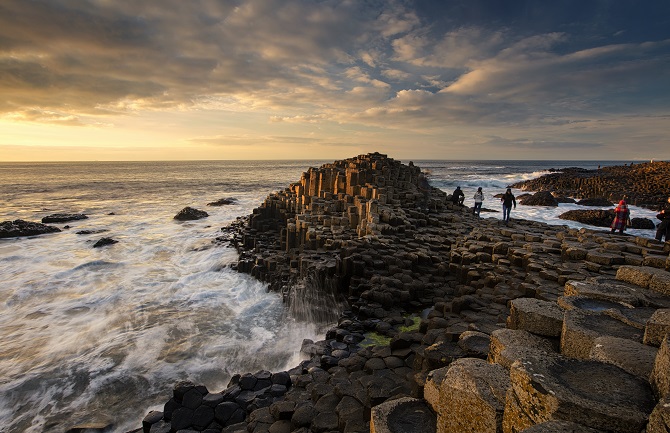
column 101, row 335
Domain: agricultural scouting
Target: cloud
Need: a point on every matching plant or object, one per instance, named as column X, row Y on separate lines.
column 394, row 66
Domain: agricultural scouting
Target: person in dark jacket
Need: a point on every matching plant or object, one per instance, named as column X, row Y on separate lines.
column 508, row 200
column 663, row 228
column 457, row 197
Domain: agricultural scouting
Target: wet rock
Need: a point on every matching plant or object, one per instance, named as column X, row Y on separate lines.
column 595, row 201
column 104, row 242
column 223, row 202
column 18, row 228
column 63, row 217
column 189, row 214
column 541, row 198
column 598, row 218
column 642, row 223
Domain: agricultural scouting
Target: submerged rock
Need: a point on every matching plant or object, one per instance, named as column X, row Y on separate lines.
column 63, row 217
column 104, row 242
column 16, row 228
column 189, row 214
column 223, row 202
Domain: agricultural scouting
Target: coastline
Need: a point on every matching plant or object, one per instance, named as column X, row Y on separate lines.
column 368, row 229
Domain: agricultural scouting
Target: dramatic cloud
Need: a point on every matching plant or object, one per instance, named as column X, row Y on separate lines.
column 369, row 70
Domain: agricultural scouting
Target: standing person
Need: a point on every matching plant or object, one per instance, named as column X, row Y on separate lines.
column 479, row 199
column 663, row 228
column 457, row 197
column 621, row 215
column 508, row 200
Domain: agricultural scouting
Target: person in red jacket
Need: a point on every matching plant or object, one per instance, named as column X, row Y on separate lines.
column 621, row 216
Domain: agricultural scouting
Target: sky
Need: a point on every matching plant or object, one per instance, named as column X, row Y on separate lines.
column 331, row 79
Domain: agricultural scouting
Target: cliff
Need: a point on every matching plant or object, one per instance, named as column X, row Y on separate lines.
column 453, row 323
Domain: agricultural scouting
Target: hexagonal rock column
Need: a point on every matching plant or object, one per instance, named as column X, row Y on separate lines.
column 658, row 326
column 403, row 415
column 660, row 376
column 536, row 316
column 581, row 328
column 659, row 420
column 636, row 358
column 472, row 397
column 590, row 393
column 509, row 345
column 645, row 276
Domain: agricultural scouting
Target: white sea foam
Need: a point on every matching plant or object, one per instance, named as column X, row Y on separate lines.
column 108, row 331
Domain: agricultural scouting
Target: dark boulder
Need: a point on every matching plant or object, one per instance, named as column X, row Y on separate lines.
column 597, row 201
column 542, row 198
column 642, row 223
column 563, row 199
column 189, row 213
column 63, row 217
column 223, row 202
column 104, row 242
column 16, row 228
column 593, row 217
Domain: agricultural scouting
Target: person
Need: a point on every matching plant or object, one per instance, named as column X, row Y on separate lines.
column 479, row 199
column 663, row 228
column 621, row 216
column 508, row 200
column 457, row 197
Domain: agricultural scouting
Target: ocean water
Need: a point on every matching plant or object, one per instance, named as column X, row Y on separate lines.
column 102, row 334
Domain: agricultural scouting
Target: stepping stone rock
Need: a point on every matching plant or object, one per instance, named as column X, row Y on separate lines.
column 658, row 326
column 660, row 376
column 431, row 390
column 610, row 290
column 475, row 343
column 472, row 397
column 636, row 358
column 406, row 415
column 646, row 276
column 659, row 420
column 509, row 345
column 536, row 316
column 581, row 328
column 590, row 393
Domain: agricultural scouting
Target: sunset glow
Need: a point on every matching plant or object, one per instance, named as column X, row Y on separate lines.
column 278, row 79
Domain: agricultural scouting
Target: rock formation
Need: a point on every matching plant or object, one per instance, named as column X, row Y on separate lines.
column 645, row 184
column 189, row 214
column 16, row 228
column 63, row 217
column 485, row 327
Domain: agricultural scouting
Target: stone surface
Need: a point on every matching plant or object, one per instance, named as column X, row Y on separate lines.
column 509, row 345
column 403, row 415
column 536, row 316
column 560, row 427
column 660, row 376
column 659, row 420
column 590, row 393
column 472, row 397
column 658, row 326
column 581, row 328
column 634, row 357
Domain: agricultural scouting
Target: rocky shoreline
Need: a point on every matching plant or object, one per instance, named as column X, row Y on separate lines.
column 645, row 184
column 479, row 326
